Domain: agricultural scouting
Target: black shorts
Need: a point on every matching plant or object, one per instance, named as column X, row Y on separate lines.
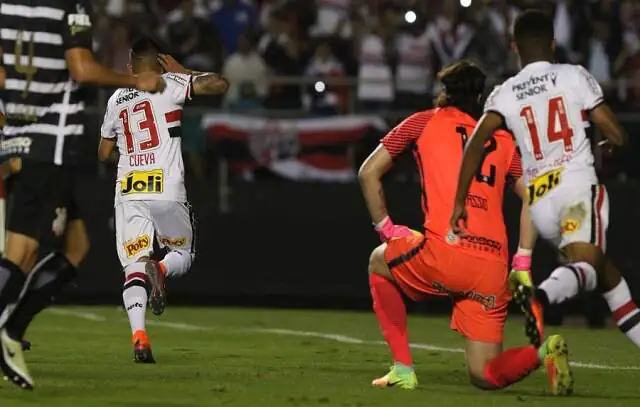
column 42, row 199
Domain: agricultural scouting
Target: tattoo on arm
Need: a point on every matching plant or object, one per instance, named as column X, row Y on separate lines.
column 209, row 83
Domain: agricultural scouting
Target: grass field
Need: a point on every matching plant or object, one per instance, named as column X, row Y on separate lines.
column 248, row 357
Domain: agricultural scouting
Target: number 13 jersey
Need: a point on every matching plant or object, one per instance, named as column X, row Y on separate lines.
column 545, row 107
column 148, row 131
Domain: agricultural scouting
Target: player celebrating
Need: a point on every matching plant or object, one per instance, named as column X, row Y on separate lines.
column 471, row 269
column 46, row 55
column 150, row 196
column 544, row 106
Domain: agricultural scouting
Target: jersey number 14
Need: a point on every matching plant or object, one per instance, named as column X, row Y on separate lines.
column 557, row 126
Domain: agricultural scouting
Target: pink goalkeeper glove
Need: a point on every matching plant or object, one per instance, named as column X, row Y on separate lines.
column 521, row 262
column 387, row 230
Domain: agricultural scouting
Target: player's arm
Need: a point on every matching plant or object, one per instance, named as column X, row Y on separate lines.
column 203, row 83
column 605, row 120
column 378, row 163
column 106, row 148
column 77, row 34
column 488, row 124
column 600, row 113
column 370, row 177
column 528, row 232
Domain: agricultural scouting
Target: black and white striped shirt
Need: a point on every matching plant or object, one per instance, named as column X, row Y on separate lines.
column 44, row 106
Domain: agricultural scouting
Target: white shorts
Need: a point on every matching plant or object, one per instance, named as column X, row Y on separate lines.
column 573, row 214
column 138, row 223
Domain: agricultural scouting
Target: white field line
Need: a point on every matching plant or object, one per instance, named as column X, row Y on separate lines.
column 320, row 335
column 78, row 314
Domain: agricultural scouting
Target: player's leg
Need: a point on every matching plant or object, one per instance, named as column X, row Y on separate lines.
column 583, row 241
column 76, row 243
column 51, row 274
column 480, row 313
column 134, row 237
column 38, row 207
column 393, row 270
column 175, row 230
column 491, row 368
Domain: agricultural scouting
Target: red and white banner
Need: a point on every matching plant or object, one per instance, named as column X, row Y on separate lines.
column 314, row 149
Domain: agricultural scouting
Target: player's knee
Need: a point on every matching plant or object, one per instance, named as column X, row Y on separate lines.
column 587, row 252
column 376, row 261
column 178, row 262
column 21, row 250
column 77, row 251
column 480, row 382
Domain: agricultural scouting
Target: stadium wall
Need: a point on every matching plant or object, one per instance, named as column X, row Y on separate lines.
column 298, row 245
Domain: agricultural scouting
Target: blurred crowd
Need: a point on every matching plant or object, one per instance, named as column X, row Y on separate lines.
column 330, row 56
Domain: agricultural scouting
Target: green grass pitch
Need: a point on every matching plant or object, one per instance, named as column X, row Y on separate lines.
column 81, row 356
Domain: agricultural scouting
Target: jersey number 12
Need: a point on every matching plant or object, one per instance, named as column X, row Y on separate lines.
column 489, row 148
column 146, row 124
column 557, row 126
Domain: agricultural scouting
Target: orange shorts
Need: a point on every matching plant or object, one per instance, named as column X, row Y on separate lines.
column 478, row 286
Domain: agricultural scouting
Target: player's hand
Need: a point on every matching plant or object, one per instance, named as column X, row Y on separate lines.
column 520, row 264
column 150, row 82
column 169, row 64
column 15, row 165
column 459, row 219
column 387, row 230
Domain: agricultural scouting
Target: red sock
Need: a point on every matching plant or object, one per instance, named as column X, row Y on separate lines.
column 511, row 366
column 390, row 310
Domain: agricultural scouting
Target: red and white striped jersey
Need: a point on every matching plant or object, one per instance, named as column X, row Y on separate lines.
column 148, row 131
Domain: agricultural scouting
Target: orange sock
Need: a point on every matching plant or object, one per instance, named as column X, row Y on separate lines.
column 391, row 312
column 511, row 366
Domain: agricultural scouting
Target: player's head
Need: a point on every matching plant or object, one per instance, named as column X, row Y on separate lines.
column 144, row 55
column 533, row 36
column 462, row 87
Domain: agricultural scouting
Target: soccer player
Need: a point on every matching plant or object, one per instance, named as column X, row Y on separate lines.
column 46, row 55
column 544, row 105
column 150, row 196
column 470, row 268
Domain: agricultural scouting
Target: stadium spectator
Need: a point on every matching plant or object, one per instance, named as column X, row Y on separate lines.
column 117, row 47
column 231, row 18
column 282, row 51
column 450, row 34
column 414, row 66
column 246, row 72
column 320, row 98
column 376, row 55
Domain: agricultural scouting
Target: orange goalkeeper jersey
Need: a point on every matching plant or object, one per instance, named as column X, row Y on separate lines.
column 438, row 138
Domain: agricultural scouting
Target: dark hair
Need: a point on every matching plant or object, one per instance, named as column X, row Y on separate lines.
column 462, row 85
column 144, row 45
column 533, row 28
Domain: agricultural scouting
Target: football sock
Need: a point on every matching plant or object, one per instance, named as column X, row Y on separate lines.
column 625, row 311
column 511, row 366
column 177, row 262
column 11, row 282
column 135, row 294
column 569, row 280
column 46, row 281
column 391, row 312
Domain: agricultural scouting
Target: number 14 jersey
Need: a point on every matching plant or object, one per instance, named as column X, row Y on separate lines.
column 148, row 131
column 545, row 107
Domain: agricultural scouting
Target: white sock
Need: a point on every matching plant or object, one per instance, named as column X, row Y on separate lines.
column 177, row 262
column 625, row 311
column 569, row 280
column 134, row 295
